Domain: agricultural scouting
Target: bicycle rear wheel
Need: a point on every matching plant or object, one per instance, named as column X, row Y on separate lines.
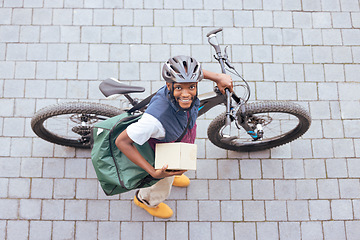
column 70, row 124
column 282, row 122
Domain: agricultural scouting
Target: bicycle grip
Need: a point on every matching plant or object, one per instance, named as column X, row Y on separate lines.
column 215, row 31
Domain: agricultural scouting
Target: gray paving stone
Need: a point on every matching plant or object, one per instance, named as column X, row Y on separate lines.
column 35, row 89
column 75, row 210
column 86, row 230
column 103, row 17
column 14, row 127
column 243, row 18
column 30, row 209
column 223, row 18
column 341, row 210
column 342, row 55
column 198, row 189
column 343, row 148
column 228, row 169
column 301, row 148
column 293, row 72
column 334, row 230
column 9, row 168
column 328, row 188
column 19, row 187
column 95, row 210
column 6, row 14
column 250, row 169
column 40, row 230
column 120, row 210
column 209, row 210
column 293, row 168
column 306, row 189
column 272, row 168
column 154, row 230
column 200, row 230
column 282, row 19
column 70, row 34
column 9, row 33
column 289, row 230
column 285, row 189
column 64, row 188
column 298, row 210
column 109, row 230
column 78, row 52
column 321, row 148
column 63, row 229
column 352, row 230
column 127, row 230
column 44, row 70
column 246, row 231
column 353, row 169
column 275, row 210
column 267, row 230
column 41, row 188
column 57, row 52
column 254, row 210
column 252, row 36
column 53, row 167
column 336, row 168
column 9, row 208
column 334, row 72
column 52, row 210
column 62, row 16
column 351, row 71
column 319, row 210
column 263, row 189
column 17, row 230
column 241, row 189
column 187, row 211
column 50, row 34
column 219, row 190
column 23, row 108
column 75, row 168
column 314, row 72
column 350, row 36
column 221, row 230
column 4, row 182
column 311, row 230
column 349, row 109
column 42, row 16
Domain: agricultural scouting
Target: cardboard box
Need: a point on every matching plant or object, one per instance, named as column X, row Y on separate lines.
column 178, row 156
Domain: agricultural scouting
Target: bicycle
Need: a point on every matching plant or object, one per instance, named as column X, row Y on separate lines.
column 243, row 126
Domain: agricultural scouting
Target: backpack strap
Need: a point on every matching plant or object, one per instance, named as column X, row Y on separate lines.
column 141, row 104
column 186, row 128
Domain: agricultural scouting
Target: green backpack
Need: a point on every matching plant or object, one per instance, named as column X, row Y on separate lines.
column 116, row 173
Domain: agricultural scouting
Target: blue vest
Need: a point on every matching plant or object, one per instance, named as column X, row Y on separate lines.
column 172, row 118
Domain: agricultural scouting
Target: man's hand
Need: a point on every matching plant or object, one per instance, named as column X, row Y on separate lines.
column 162, row 173
column 222, row 80
column 225, row 81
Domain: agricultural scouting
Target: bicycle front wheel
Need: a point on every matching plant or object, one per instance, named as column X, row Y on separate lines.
column 70, row 124
column 282, row 122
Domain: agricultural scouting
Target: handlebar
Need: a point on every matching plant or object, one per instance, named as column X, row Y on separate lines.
column 215, row 31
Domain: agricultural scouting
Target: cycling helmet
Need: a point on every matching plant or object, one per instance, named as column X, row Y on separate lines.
column 182, row 69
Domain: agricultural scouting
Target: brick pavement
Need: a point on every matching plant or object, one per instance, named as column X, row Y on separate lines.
column 305, row 51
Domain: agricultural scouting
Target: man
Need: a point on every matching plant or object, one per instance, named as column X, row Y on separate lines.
column 173, row 109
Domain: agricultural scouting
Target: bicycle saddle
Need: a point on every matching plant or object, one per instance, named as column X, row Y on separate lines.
column 112, row 86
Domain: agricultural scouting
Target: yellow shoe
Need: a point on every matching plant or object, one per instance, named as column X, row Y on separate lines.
column 181, row 181
column 161, row 211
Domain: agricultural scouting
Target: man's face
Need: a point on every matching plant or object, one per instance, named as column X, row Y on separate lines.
column 184, row 93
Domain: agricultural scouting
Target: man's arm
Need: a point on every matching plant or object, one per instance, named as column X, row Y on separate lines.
column 222, row 80
column 125, row 144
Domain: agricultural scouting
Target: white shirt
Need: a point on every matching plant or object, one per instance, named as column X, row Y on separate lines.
column 144, row 129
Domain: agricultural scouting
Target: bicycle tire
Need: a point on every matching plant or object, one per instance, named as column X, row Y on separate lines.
column 297, row 112
column 94, row 111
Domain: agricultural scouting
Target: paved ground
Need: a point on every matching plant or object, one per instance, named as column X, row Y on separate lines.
column 306, row 51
